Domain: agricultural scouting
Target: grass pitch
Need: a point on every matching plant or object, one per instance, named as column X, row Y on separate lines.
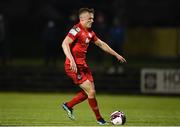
column 44, row 109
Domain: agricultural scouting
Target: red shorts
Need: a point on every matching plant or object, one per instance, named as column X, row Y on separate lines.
column 83, row 74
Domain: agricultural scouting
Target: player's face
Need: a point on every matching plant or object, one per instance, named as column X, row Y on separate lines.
column 88, row 19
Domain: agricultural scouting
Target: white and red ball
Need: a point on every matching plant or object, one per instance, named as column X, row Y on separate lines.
column 117, row 118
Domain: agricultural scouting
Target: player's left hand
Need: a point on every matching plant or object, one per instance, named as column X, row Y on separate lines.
column 121, row 59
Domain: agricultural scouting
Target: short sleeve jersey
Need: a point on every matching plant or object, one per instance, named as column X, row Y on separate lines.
column 81, row 39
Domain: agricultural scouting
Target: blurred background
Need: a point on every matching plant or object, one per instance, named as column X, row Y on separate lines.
column 145, row 32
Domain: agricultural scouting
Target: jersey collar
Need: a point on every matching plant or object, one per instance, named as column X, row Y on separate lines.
column 81, row 26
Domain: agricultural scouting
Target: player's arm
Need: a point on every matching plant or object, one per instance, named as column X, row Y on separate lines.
column 109, row 50
column 65, row 45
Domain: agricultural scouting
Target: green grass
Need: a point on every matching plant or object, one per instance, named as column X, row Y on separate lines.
column 43, row 109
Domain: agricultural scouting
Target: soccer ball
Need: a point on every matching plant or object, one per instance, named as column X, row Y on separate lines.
column 118, row 118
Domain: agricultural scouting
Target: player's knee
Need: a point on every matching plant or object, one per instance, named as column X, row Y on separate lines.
column 91, row 93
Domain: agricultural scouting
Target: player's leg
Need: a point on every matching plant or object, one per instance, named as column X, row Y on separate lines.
column 79, row 97
column 68, row 106
column 89, row 88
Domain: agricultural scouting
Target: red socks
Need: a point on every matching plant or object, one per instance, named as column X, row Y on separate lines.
column 94, row 107
column 79, row 97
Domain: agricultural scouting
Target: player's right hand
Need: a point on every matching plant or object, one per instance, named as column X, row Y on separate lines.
column 73, row 66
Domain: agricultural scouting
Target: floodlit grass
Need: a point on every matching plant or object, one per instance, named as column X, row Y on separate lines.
column 44, row 109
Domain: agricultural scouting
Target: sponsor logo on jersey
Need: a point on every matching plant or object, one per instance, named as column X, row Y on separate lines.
column 87, row 40
column 73, row 32
column 77, row 29
column 90, row 35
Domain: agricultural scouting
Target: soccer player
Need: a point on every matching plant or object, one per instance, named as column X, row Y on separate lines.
column 75, row 47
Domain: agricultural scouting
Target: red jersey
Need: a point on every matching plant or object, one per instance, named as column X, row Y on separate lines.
column 81, row 38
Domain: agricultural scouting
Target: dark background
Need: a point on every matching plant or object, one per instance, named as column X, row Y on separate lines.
column 23, row 50
column 25, row 19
